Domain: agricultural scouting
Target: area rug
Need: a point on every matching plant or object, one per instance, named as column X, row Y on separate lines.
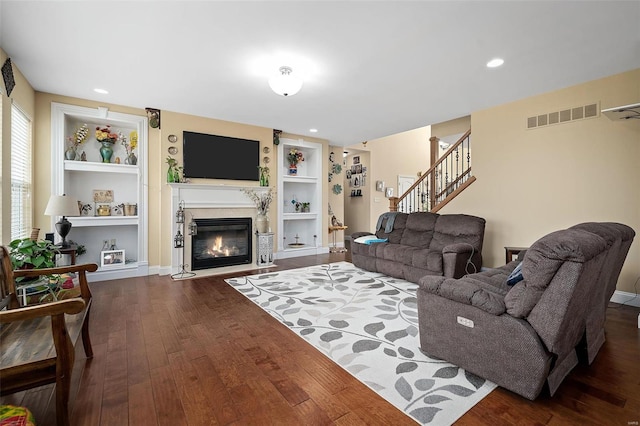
column 367, row 323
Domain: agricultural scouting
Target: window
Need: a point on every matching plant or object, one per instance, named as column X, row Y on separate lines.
column 21, row 211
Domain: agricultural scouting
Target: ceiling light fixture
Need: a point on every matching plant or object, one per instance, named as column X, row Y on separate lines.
column 285, row 83
column 101, row 91
column 495, row 63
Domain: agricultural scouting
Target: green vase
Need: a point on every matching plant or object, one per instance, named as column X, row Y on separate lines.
column 106, row 151
column 170, row 175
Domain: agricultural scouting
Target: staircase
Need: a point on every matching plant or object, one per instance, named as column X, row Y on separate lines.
column 446, row 178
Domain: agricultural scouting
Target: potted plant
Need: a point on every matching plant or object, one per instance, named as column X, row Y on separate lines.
column 29, row 254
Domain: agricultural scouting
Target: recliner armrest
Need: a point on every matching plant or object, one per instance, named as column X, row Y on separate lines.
column 459, row 248
column 465, row 291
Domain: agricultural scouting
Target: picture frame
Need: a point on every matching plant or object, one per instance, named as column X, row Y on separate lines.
column 356, row 159
column 103, row 195
column 86, row 209
column 111, row 258
column 388, row 192
column 117, row 209
column 380, row 185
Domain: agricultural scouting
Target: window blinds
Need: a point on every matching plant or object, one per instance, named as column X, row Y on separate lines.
column 21, row 187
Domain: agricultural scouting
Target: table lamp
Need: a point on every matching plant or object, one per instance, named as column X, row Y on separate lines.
column 62, row 205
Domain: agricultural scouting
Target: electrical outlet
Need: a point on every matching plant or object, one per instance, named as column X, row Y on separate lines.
column 465, row 321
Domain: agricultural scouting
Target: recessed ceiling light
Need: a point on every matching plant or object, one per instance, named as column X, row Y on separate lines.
column 494, row 63
column 101, row 91
column 313, row 130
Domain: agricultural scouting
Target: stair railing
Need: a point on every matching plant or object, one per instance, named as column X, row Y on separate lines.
column 444, row 180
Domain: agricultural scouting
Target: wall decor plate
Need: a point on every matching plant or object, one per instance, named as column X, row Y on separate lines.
column 172, row 150
column 173, row 138
column 337, row 188
column 266, row 160
column 266, row 150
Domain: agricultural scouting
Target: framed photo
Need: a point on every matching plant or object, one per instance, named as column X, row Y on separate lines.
column 111, row 258
column 356, row 159
column 117, row 210
column 86, row 209
column 388, row 192
column 380, row 185
column 103, row 195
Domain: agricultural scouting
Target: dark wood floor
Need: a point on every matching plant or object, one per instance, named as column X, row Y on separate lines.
column 196, row 352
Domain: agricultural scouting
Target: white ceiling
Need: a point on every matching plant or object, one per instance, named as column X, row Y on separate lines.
column 373, row 68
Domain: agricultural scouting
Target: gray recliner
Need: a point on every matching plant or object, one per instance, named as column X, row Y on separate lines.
column 524, row 336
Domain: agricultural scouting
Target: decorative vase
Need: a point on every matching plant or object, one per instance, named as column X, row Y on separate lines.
column 70, row 153
column 131, row 159
column 176, row 175
column 106, row 151
column 262, row 223
column 293, row 169
column 170, row 175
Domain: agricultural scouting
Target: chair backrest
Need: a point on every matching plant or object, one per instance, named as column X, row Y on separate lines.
column 8, row 298
column 560, row 273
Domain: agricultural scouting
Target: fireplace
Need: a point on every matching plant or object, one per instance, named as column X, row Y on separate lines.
column 221, row 242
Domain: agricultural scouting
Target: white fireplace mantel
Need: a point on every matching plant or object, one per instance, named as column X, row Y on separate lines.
column 198, row 196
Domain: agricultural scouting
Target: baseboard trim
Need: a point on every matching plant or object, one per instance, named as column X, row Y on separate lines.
column 626, row 298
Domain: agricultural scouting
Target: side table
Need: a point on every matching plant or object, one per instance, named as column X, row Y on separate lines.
column 71, row 251
column 334, row 230
column 510, row 252
column 264, row 251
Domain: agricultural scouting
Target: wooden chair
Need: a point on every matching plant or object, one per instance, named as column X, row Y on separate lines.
column 37, row 342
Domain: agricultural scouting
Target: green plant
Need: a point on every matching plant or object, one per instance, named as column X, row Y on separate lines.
column 28, row 254
column 80, row 249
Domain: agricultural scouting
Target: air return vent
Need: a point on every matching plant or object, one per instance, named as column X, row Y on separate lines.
column 563, row 116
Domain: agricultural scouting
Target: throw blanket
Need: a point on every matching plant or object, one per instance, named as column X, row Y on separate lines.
column 391, row 219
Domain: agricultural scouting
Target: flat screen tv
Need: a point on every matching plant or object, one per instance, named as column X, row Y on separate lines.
column 220, row 157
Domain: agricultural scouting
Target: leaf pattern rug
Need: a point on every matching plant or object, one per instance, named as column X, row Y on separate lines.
column 367, row 323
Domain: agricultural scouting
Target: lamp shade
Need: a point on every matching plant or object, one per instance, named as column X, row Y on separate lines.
column 285, row 83
column 62, row 205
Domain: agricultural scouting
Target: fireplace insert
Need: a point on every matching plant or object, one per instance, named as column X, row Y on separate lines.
column 221, row 242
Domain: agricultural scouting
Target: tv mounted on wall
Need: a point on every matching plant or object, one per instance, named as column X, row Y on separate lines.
column 220, row 157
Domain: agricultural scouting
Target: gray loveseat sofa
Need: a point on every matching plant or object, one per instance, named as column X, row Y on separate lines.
column 524, row 336
column 422, row 244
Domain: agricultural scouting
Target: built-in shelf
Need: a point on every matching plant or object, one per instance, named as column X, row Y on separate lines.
column 92, row 166
column 304, row 187
column 80, row 221
column 80, row 179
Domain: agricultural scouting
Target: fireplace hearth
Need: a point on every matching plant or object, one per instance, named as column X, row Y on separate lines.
column 221, row 242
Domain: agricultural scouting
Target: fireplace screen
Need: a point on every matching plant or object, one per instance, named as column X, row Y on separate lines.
column 221, row 242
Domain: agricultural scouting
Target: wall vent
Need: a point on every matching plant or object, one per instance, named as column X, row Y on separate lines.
column 563, row 116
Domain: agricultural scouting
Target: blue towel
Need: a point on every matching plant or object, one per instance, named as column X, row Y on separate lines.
column 391, row 218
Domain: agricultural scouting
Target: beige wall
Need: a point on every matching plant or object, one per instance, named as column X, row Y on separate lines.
column 452, row 127
column 388, row 161
column 24, row 97
column 336, row 200
column 532, row 182
column 357, row 209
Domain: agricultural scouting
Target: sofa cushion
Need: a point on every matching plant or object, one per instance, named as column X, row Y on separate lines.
column 484, row 290
column 418, row 231
column 458, row 228
column 399, row 224
column 370, row 239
